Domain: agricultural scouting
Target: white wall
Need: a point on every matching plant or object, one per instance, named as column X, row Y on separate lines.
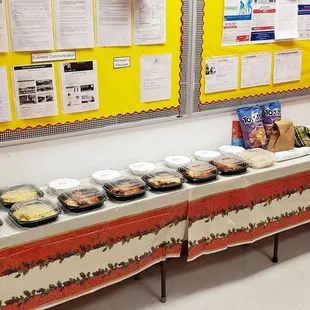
column 42, row 162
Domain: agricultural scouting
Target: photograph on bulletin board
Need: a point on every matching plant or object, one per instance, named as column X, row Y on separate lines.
column 253, row 48
column 65, row 66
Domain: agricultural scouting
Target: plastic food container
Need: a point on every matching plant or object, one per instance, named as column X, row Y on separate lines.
column 259, row 158
column 231, row 149
column 199, row 172
column 205, row 155
column 177, row 161
column 163, row 180
column 142, row 168
column 33, row 213
column 60, row 185
column 18, row 193
column 126, row 188
column 1, row 224
column 83, row 198
column 229, row 165
column 102, row 176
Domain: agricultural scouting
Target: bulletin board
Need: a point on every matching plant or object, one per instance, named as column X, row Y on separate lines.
column 209, row 29
column 119, row 89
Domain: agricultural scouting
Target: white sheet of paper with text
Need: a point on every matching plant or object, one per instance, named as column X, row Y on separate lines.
column 4, row 43
column 155, row 77
column 79, row 86
column 256, row 70
column 304, row 19
column 149, row 22
column 35, row 91
column 113, row 22
column 74, row 24
column 286, row 19
column 5, row 112
column 287, row 66
column 221, row 74
column 31, row 25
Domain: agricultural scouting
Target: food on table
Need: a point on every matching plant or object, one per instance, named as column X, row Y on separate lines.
column 100, row 177
column 230, row 164
column 259, row 158
column 19, row 193
column 176, row 161
column 196, row 172
column 271, row 114
column 205, row 155
column 231, row 149
column 164, row 180
column 37, row 210
column 142, row 168
column 60, row 185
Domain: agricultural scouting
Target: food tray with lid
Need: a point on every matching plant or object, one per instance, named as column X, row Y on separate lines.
column 102, row 176
column 199, row 172
column 18, row 193
column 205, row 155
column 34, row 212
column 126, row 188
column 163, row 180
column 229, row 165
column 176, row 161
column 233, row 150
column 60, row 185
column 258, row 158
column 82, row 198
column 141, row 168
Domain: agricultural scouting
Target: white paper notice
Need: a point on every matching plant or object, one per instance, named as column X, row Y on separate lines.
column 304, row 19
column 74, row 24
column 79, row 83
column 35, row 92
column 113, row 22
column 287, row 66
column 256, row 70
column 5, row 112
column 221, row 74
column 150, row 22
column 155, row 77
column 31, row 25
column 286, row 19
column 4, row 44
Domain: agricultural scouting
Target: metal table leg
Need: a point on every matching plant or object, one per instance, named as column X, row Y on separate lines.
column 163, row 298
column 275, row 258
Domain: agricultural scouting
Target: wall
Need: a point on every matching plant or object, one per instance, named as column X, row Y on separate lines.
column 41, row 162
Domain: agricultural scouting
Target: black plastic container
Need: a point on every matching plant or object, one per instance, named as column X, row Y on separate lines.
column 81, row 199
column 230, row 165
column 199, row 172
column 19, row 193
column 164, row 180
column 32, row 206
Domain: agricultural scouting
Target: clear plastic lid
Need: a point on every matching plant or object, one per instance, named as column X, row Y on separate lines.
column 229, row 163
column 125, row 187
column 205, row 155
column 36, row 210
column 142, row 168
column 176, row 161
column 163, row 178
column 59, row 185
column 102, row 176
column 82, row 196
column 231, row 149
column 258, row 158
column 198, row 171
column 23, row 192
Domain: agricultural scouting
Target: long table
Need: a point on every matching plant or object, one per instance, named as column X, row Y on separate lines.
column 79, row 254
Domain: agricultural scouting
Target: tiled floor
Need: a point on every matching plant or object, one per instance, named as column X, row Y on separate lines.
column 240, row 278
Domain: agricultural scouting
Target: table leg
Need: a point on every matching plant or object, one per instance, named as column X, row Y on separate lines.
column 163, row 298
column 275, row 258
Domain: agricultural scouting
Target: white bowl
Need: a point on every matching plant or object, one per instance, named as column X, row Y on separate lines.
column 206, row 156
column 231, row 149
column 142, row 168
column 101, row 176
column 60, row 185
column 177, row 161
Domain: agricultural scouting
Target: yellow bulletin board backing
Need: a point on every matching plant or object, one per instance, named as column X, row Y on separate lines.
column 212, row 24
column 119, row 89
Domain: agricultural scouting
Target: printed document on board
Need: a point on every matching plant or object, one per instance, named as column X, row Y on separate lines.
column 5, row 112
column 79, row 83
column 4, row 43
column 35, row 91
column 74, row 24
column 31, row 25
column 304, row 19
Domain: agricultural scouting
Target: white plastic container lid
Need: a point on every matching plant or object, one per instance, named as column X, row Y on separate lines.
column 231, row 149
column 205, row 155
column 60, row 185
column 141, row 168
column 177, row 161
column 102, row 176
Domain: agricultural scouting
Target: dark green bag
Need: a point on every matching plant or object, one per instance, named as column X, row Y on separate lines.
column 302, row 136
